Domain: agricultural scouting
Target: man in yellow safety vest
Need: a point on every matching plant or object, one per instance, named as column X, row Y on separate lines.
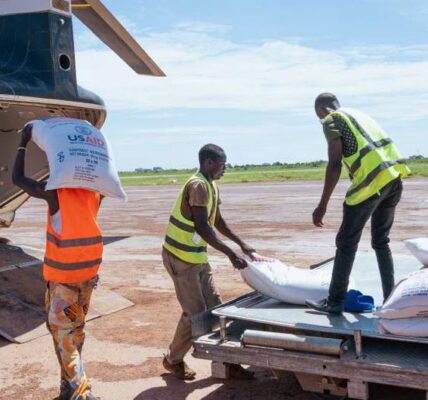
column 191, row 227
column 376, row 168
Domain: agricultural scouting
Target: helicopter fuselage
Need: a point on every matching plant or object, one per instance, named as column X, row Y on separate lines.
column 37, row 80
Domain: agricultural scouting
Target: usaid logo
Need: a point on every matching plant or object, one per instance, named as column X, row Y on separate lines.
column 83, row 130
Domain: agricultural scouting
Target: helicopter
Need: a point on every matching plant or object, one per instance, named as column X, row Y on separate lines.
column 38, row 77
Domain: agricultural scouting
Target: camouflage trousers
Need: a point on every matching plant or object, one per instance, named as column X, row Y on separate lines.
column 67, row 306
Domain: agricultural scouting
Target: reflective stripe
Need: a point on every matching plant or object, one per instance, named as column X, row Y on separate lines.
column 184, row 247
column 73, row 242
column 372, row 175
column 366, row 150
column 181, row 225
column 72, row 266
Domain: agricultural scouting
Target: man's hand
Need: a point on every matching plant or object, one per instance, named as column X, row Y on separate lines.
column 247, row 250
column 27, row 134
column 318, row 215
column 238, row 262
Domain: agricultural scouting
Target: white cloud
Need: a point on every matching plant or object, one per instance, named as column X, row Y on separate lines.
column 202, row 26
column 206, row 71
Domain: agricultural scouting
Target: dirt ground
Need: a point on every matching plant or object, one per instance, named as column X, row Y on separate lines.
column 123, row 351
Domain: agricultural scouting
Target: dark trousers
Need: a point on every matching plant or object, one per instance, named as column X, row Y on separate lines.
column 381, row 209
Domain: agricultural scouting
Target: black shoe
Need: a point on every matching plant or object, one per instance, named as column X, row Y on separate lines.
column 325, row 306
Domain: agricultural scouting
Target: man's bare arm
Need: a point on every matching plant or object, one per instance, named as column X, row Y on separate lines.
column 332, row 176
column 200, row 217
column 224, row 229
column 28, row 185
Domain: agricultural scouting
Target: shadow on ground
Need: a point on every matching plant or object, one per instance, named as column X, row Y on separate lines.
column 264, row 386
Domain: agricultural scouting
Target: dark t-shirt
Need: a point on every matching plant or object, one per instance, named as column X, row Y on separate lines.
column 334, row 127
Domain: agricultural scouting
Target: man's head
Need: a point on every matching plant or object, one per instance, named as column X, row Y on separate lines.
column 325, row 103
column 212, row 161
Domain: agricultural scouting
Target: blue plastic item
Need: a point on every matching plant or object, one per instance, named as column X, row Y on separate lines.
column 357, row 302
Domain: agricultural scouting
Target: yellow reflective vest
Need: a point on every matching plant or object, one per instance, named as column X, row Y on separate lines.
column 376, row 161
column 181, row 238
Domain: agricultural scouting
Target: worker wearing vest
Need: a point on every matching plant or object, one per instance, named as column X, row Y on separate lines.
column 376, row 168
column 191, row 228
column 73, row 256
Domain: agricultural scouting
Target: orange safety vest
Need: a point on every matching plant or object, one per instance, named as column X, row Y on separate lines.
column 75, row 254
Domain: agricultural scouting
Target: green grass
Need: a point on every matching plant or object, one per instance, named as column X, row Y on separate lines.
column 253, row 173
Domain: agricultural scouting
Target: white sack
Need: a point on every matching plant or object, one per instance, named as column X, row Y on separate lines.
column 285, row 283
column 408, row 299
column 79, row 156
column 417, row 327
column 419, row 248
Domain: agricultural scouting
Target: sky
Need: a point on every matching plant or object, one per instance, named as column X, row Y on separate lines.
column 244, row 74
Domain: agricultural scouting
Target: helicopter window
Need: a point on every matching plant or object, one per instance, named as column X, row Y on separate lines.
column 64, row 62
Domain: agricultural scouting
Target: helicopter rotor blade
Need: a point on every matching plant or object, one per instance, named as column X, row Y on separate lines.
column 109, row 30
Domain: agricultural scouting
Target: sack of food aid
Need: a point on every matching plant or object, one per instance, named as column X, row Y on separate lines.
column 409, row 299
column 416, row 327
column 79, row 156
column 286, row 283
column 419, row 248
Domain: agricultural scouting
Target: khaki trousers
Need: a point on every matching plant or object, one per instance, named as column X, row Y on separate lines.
column 196, row 292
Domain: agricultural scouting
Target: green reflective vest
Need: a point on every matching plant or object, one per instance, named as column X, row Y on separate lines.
column 181, row 238
column 376, row 161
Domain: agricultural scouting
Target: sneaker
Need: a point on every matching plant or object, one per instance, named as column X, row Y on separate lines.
column 180, row 370
column 325, row 306
column 236, row 371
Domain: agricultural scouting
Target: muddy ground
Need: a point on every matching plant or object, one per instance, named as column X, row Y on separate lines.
column 123, row 351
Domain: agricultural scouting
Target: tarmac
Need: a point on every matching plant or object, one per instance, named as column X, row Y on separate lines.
column 124, row 350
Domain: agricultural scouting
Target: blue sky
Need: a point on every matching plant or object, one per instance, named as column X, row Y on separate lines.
column 244, row 75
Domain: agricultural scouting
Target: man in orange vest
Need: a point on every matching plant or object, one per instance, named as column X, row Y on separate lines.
column 73, row 256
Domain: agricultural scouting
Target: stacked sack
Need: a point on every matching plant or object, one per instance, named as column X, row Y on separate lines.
column 79, row 156
column 405, row 312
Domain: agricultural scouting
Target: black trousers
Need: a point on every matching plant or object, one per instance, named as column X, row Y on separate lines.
column 381, row 209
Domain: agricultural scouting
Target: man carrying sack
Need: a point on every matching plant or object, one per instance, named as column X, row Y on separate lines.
column 73, row 256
